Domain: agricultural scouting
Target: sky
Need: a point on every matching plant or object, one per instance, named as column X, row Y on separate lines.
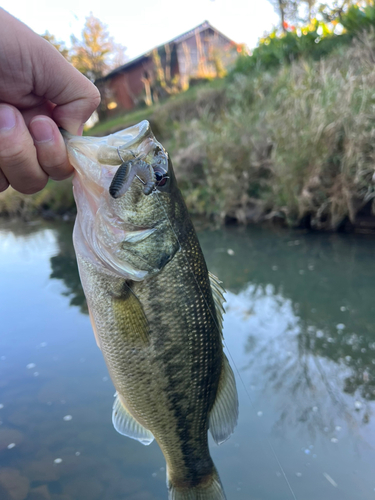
column 143, row 24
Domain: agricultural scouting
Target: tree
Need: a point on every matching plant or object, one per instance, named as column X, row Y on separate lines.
column 310, row 6
column 161, row 82
column 290, row 11
column 96, row 53
column 334, row 10
column 59, row 45
column 287, row 10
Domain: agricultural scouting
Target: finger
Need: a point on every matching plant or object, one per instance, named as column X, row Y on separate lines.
column 75, row 96
column 43, row 74
column 18, row 159
column 3, row 182
column 50, row 148
column 71, row 116
column 44, row 109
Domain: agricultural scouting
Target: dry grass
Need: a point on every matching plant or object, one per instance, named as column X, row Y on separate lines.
column 298, row 144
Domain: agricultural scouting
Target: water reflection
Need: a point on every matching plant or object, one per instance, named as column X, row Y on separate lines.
column 323, row 284
column 299, row 326
column 327, row 281
column 319, row 286
column 64, row 267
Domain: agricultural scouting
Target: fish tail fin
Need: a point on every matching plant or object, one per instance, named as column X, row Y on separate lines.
column 209, row 490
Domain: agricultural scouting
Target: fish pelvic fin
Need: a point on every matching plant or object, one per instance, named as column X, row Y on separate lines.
column 224, row 414
column 211, row 489
column 126, row 424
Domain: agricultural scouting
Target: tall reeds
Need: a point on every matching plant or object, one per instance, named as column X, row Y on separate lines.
column 296, row 143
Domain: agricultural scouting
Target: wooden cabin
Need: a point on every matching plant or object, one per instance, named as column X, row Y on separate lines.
column 203, row 52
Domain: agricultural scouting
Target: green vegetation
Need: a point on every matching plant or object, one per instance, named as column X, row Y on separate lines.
column 287, row 139
column 292, row 141
column 119, row 122
column 187, row 101
column 315, row 40
column 56, row 200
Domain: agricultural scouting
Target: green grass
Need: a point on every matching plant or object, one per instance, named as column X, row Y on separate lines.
column 119, row 122
column 182, row 100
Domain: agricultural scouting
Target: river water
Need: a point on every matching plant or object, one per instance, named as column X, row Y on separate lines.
column 299, row 327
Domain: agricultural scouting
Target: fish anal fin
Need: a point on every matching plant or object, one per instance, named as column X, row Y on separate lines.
column 218, row 296
column 125, row 424
column 224, row 413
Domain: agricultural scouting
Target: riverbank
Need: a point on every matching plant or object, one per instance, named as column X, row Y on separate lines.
column 55, row 201
column 294, row 146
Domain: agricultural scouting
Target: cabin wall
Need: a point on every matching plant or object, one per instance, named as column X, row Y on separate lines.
column 127, row 89
column 198, row 55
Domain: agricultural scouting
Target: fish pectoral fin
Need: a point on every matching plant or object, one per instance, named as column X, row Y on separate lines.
column 218, row 296
column 130, row 314
column 224, row 414
column 125, row 424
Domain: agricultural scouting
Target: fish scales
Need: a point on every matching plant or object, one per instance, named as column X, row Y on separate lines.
column 156, row 322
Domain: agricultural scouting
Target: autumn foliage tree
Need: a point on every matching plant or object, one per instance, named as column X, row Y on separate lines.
column 96, row 53
column 293, row 11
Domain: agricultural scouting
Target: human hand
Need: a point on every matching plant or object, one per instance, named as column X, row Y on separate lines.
column 39, row 92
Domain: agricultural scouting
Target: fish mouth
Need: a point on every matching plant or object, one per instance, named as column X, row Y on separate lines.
column 112, row 162
column 96, row 159
column 105, row 168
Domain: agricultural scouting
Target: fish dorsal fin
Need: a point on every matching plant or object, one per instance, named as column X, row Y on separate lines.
column 125, row 424
column 218, row 296
column 224, row 414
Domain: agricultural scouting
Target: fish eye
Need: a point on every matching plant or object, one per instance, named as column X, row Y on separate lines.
column 161, row 177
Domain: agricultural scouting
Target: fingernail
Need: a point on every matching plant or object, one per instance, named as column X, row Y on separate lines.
column 7, row 118
column 41, row 130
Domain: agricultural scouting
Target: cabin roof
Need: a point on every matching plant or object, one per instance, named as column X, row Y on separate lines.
column 178, row 39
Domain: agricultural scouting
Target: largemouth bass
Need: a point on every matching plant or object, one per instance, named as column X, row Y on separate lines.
column 155, row 310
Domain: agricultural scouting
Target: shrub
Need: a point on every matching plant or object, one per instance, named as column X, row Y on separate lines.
column 315, row 40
